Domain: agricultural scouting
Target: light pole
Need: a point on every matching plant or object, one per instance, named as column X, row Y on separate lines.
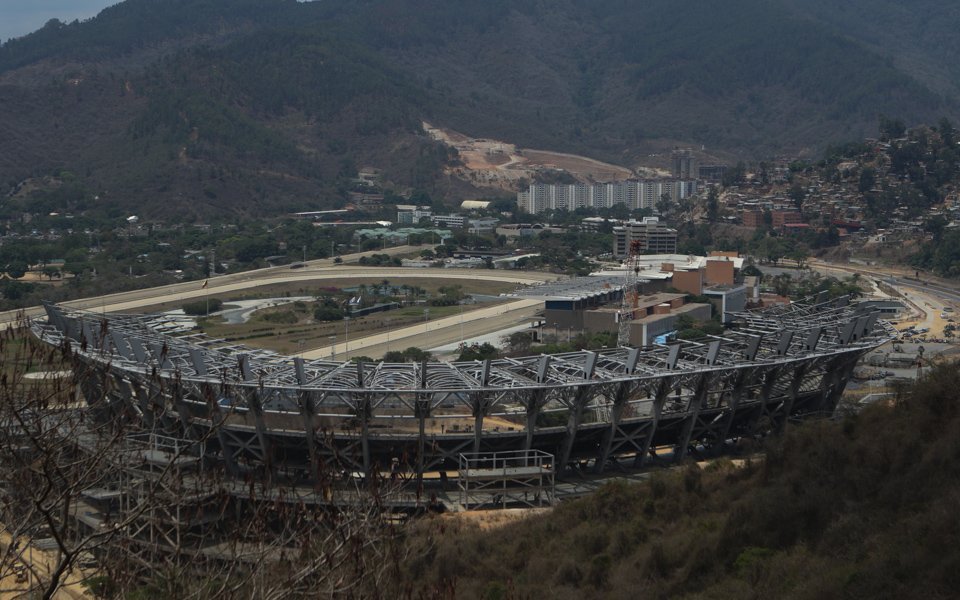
column 426, row 319
column 461, row 323
column 346, row 327
column 333, row 346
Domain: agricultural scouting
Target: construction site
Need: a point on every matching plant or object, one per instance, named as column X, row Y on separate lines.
column 238, row 423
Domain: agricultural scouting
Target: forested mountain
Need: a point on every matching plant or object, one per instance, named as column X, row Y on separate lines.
column 268, row 105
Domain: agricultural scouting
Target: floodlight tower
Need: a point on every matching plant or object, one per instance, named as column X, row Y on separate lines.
column 628, row 300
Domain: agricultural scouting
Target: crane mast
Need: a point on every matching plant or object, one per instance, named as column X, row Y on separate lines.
column 629, row 298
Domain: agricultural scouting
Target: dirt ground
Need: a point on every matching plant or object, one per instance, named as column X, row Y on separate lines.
column 493, row 163
column 43, row 563
column 495, row 519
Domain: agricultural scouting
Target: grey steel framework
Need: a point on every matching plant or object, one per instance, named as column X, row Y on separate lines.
column 284, row 419
column 515, row 477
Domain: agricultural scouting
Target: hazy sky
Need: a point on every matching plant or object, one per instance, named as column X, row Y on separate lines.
column 20, row 17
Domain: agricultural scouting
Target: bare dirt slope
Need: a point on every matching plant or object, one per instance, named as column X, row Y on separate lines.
column 498, row 164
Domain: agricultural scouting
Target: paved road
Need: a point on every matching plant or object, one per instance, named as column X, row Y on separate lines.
column 927, row 294
column 434, row 333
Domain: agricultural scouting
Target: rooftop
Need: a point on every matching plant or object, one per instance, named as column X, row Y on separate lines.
column 578, row 288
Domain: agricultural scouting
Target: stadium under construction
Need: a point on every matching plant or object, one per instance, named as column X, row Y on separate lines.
column 466, row 434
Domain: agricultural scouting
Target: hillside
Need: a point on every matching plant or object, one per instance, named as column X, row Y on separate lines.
column 862, row 508
column 262, row 106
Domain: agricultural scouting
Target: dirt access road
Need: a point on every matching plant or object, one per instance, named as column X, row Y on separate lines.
column 494, row 163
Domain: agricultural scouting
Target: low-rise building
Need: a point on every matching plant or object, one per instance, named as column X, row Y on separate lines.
column 646, row 331
column 408, row 214
column 452, row 221
column 483, row 225
column 784, row 217
column 727, row 299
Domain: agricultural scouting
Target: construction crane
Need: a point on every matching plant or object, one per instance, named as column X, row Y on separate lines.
column 628, row 301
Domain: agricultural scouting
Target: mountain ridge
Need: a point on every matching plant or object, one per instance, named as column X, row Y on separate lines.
column 315, row 90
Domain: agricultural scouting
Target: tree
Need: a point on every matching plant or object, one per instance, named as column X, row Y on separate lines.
column 328, row 313
column 735, row 176
column 665, row 205
column 771, row 249
column 868, row 178
column 782, row 284
column 799, row 254
column 411, row 354
column 935, row 226
column 713, row 204
column 518, row 343
column 797, row 194
column 478, row 351
column 202, row 307
column 891, row 129
column 83, row 481
column 16, row 269
column 947, row 132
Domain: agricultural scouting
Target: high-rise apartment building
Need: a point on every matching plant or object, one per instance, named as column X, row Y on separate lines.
column 684, row 164
column 634, row 194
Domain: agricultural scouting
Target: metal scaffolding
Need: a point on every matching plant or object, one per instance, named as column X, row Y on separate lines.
column 513, row 478
column 285, row 419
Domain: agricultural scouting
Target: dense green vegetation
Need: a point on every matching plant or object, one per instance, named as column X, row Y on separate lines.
column 862, row 507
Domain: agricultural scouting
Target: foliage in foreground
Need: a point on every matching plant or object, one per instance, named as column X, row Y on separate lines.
column 863, row 508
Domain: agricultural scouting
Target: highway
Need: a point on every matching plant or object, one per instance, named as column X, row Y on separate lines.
column 928, row 296
column 934, row 287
